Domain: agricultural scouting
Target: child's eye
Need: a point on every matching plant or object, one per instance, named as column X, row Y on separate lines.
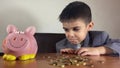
column 66, row 30
column 76, row 29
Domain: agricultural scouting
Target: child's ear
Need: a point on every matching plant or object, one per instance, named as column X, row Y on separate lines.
column 90, row 25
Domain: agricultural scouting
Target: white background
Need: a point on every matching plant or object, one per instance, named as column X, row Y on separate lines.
column 43, row 14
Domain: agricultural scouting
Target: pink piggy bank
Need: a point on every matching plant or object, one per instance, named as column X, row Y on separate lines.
column 18, row 44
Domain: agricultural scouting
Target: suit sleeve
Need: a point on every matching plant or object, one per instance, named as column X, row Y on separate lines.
column 113, row 44
column 60, row 45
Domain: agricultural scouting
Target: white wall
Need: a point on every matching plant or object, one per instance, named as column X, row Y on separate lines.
column 43, row 14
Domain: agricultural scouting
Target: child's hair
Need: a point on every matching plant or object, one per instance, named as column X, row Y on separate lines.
column 76, row 10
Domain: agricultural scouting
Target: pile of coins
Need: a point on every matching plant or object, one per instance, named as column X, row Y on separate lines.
column 62, row 61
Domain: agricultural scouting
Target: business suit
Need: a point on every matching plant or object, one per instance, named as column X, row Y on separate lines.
column 93, row 39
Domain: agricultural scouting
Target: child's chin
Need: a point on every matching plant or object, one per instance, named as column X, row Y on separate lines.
column 74, row 43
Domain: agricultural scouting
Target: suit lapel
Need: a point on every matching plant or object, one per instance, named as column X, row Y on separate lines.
column 86, row 41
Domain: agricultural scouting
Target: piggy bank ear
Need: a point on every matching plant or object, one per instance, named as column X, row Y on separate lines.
column 30, row 30
column 11, row 29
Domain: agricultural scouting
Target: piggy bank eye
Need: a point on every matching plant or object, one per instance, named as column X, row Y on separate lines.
column 21, row 39
column 14, row 38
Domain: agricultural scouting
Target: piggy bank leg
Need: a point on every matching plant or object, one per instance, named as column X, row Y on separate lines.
column 32, row 56
column 26, row 57
column 9, row 57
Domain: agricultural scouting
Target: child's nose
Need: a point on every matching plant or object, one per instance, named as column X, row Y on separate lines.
column 70, row 34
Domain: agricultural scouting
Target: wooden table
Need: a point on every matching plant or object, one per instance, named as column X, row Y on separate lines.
column 41, row 62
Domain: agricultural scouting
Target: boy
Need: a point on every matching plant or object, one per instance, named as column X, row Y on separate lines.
column 77, row 22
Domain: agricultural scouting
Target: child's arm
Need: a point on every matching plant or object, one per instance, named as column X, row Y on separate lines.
column 67, row 50
column 93, row 51
column 109, row 46
column 62, row 48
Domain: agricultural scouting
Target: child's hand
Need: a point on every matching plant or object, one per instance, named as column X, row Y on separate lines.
column 87, row 51
column 67, row 50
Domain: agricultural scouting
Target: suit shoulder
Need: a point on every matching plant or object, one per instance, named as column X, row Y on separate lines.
column 98, row 33
column 98, row 37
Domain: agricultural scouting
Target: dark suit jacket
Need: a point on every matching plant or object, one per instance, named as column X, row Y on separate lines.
column 93, row 39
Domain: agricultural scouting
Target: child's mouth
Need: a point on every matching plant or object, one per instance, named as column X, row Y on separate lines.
column 74, row 41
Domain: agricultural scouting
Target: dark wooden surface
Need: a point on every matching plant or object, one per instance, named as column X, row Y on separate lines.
column 41, row 62
column 47, row 41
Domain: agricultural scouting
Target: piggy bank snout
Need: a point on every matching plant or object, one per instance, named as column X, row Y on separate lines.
column 18, row 39
column 18, row 42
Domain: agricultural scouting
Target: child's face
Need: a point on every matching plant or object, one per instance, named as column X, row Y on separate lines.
column 76, row 31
